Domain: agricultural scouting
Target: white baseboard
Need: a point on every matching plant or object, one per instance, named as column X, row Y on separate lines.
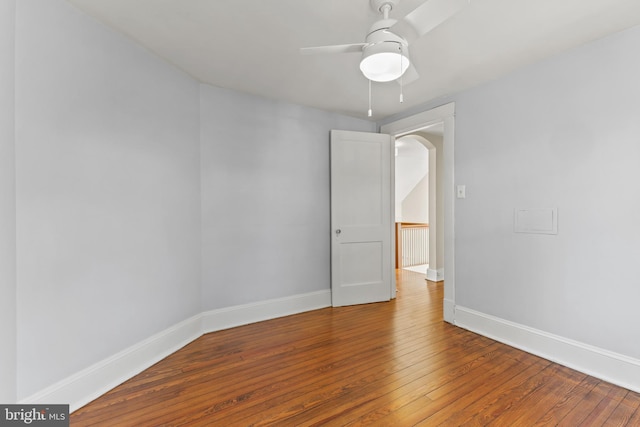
column 449, row 311
column 229, row 317
column 435, row 275
column 90, row 383
column 606, row 365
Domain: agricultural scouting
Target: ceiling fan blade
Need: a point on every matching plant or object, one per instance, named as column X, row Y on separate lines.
column 340, row 48
column 426, row 17
column 409, row 76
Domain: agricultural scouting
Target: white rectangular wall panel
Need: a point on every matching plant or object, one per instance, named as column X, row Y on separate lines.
column 536, row 221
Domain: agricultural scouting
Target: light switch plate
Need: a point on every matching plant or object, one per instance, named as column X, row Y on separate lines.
column 461, row 191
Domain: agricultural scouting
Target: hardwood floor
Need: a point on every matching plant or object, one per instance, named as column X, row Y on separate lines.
column 388, row 364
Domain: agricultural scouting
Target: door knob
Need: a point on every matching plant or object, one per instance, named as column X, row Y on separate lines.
column 338, row 231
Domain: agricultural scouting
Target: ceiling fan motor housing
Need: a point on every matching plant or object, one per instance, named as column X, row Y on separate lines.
column 385, row 52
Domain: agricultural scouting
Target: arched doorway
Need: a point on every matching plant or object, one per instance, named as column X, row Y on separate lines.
column 419, row 194
column 443, row 116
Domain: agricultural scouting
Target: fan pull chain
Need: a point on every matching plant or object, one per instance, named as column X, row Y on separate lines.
column 369, row 113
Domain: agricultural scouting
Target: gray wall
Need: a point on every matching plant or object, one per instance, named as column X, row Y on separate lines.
column 107, row 195
column 7, row 206
column 265, row 197
column 415, row 207
column 562, row 133
column 108, row 240
column 411, row 166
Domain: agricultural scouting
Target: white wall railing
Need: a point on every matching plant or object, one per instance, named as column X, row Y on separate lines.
column 412, row 244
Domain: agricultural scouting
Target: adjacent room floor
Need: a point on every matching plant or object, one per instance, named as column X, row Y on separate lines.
column 422, row 268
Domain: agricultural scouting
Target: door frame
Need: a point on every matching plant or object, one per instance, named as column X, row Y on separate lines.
column 444, row 114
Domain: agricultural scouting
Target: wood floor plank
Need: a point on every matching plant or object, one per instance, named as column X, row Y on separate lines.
column 606, row 407
column 464, row 410
column 288, row 367
column 624, row 413
column 318, row 382
column 416, row 405
column 413, row 379
column 324, row 393
column 578, row 415
column 558, row 382
column 386, row 364
column 565, row 404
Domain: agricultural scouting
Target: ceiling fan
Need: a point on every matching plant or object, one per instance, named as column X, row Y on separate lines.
column 385, row 52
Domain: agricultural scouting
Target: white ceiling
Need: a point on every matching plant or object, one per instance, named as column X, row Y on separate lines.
column 252, row 45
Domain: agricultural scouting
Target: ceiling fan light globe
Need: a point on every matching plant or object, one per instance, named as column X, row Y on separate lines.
column 382, row 63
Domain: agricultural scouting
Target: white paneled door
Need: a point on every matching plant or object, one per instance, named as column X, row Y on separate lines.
column 361, row 225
